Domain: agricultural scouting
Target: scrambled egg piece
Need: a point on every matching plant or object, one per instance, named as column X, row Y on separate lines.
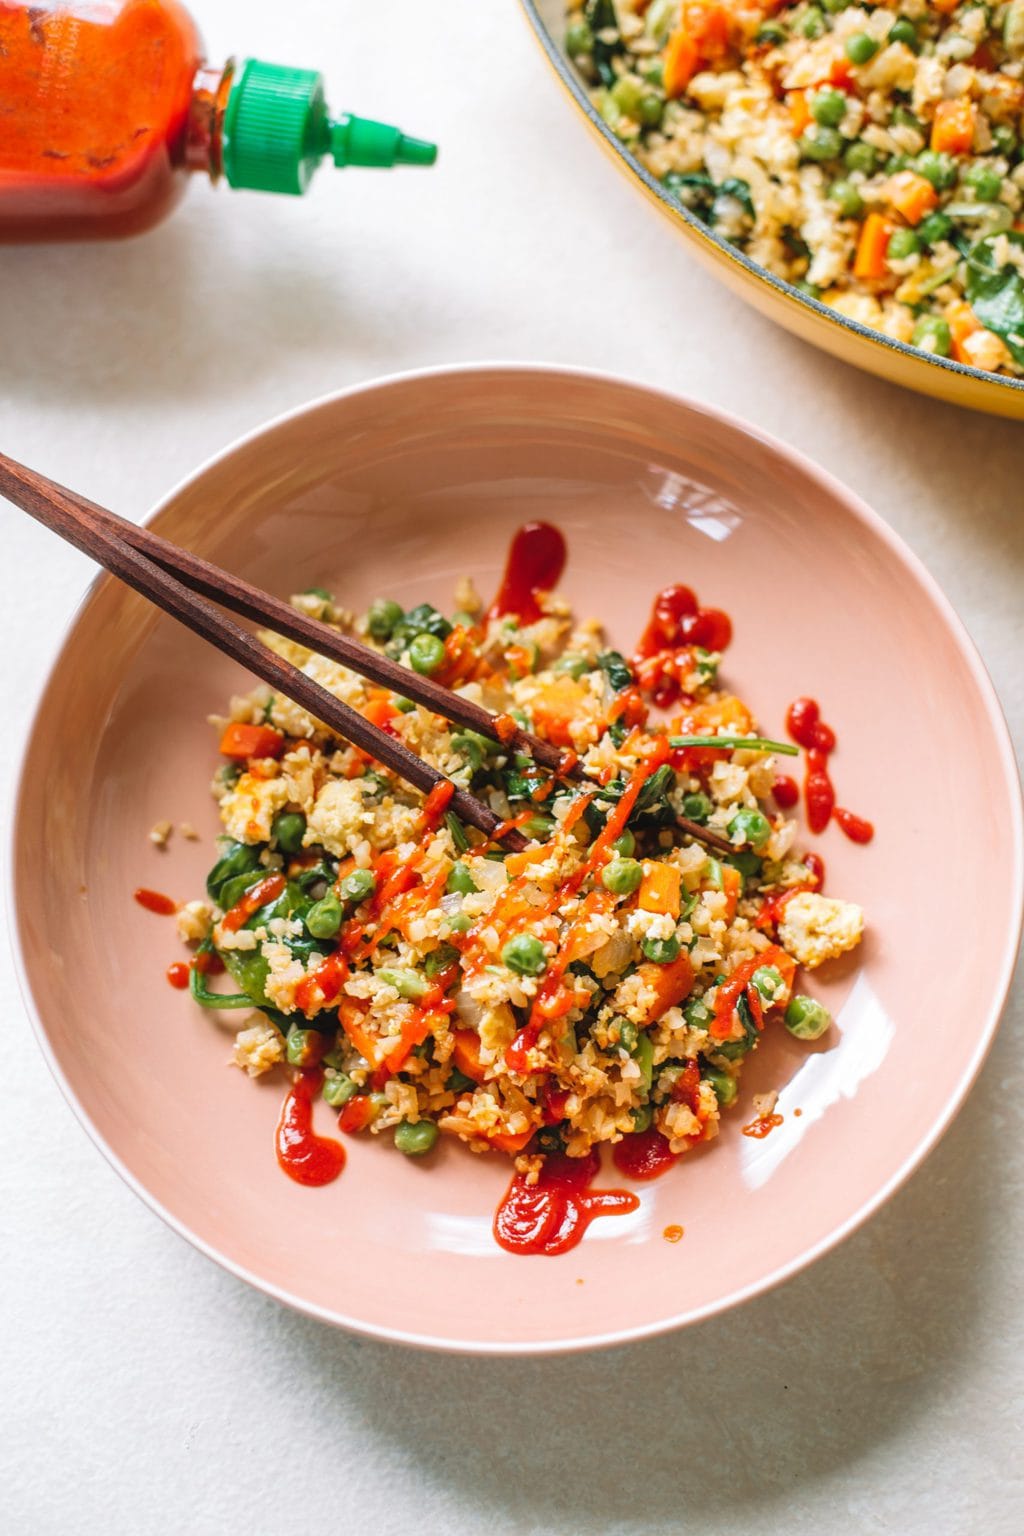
column 249, row 809
column 258, row 1048
column 817, row 928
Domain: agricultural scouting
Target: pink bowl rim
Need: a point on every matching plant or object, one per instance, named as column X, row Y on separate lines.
column 897, row 548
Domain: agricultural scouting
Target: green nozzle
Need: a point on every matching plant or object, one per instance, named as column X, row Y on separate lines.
column 277, row 130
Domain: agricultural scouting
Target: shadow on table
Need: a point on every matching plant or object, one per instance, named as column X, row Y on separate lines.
column 730, row 1418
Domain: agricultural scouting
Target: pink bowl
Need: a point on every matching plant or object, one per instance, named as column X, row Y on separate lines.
column 397, row 488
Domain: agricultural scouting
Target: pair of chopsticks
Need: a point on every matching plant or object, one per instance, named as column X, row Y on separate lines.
column 186, row 587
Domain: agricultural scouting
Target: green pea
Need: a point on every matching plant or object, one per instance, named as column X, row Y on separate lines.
column 903, row 31
column 807, row 1019
column 458, row 1082
column 1005, row 139
column 820, row 143
column 812, row 23
column 770, row 35
column 303, row 1047
column 624, row 845
column 697, row 1013
column 937, row 167
column 748, row 864
column 847, row 199
column 622, row 876
column 578, row 39
column 860, row 47
column 440, row 959
column 861, row 156
column 751, row 826
column 932, row 334
column 524, row 954
column 460, row 922
column 661, row 951
column 404, row 706
column 339, row 1089
column 697, row 807
column 324, row 917
column 767, row 979
column 643, row 1055
column 463, row 620
column 985, row 182
column 426, row 654
column 406, row 982
column 288, row 829
column 415, row 1140
column 470, row 746
column 833, row 6
column 642, row 1117
column 902, row 243
column 934, row 228
column 629, row 1035
column 357, row 885
column 384, row 614
column 572, row 665
column 650, row 109
column 724, row 1086
column 460, row 881
column 828, row 107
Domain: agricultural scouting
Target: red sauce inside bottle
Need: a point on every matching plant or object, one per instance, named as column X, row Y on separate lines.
column 552, row 1215
column 645, row 1155
column 156, row 901
column 306, row 1157
column 96, row 103
column 536, row 560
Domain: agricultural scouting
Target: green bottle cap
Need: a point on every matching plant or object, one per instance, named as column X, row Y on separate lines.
column 277, row 129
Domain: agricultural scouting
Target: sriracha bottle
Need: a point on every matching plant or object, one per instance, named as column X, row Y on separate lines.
column 107, row 105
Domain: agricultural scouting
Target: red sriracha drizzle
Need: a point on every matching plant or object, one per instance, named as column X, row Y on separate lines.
column 808, row 730
column 552, row 1215
column 678, row 625
column 644, row 1155
column 306, row 1157
column 156, row 901
column 536, row 560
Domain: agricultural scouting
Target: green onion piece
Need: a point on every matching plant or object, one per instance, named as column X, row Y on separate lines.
column 747, row 743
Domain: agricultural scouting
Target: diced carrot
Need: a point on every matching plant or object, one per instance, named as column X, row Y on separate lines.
column 518, row 863
column 511, row 1144
column 352, row 1015
column 728, row 713
column 953, row 126
column 242, row 741
column 945, row 6
column 962, row 322
column 379, row 710
column 671, row 984
column 912, row 195
column 869, row 261
column 732, row 885
column 466, row 1054
column 681, row 60
column 659, row 889
column 556, row 707
column 799, row 112
column 707, row 23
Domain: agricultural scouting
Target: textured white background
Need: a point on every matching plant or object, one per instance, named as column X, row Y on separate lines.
column 143, row 1390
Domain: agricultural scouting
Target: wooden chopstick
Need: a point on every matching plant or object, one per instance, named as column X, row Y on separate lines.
column 63, row 513
column 42, row 497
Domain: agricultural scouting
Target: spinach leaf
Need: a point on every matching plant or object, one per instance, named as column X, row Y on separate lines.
column 694, row 189
column 616, row 669
column 734, row 186
column 996, row 294
column 602, row 18
column 237, row 859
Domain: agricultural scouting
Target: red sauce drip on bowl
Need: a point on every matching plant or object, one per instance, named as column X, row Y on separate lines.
column 536, row 560
column 645, row 1155
column 552, row 1215
column 155, row 901
column 673, row 1233
column 760, row 1127
column 178, row 973
column 306, row 1157
column 808, row 730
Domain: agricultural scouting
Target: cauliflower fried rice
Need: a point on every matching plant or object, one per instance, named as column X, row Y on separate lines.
column 604, row 984
column 870, row 154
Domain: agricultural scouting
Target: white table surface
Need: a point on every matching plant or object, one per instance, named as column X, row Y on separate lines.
column 145, row 1390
